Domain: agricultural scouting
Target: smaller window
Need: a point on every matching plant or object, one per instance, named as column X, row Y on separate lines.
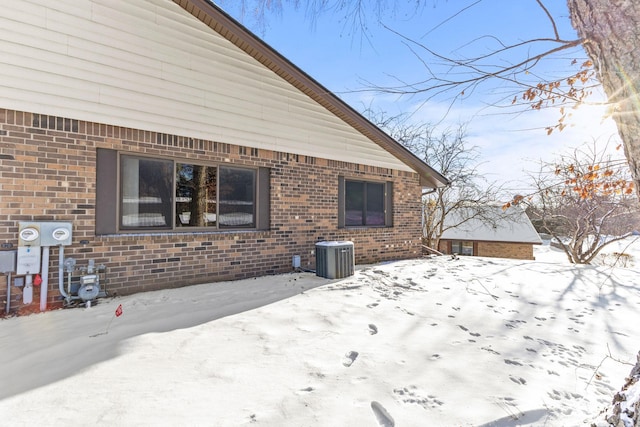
column 462, row 248
column 364, row 203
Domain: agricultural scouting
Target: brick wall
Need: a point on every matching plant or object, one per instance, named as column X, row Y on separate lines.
column 52, row 178
column 495, row 249
column 506, row 250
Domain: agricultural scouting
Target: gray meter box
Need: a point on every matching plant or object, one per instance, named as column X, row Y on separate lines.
column 7, row 262
column 55, row 233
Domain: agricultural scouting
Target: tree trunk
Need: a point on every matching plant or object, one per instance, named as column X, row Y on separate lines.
column 611, row 33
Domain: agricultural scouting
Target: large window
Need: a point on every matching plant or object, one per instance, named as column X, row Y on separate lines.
column 365, row 203
column 164, row 194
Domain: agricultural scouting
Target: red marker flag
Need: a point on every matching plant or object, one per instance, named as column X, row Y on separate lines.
column 119, row 311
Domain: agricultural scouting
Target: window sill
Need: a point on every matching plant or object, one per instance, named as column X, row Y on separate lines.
column 126, row 234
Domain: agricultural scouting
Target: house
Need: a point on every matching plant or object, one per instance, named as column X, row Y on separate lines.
column 184, row 150
column 494, row 233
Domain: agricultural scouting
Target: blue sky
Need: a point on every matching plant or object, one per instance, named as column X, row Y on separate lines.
column 349, row 63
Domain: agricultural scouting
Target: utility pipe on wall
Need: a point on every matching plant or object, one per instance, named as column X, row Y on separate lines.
column 8, row 293
column 61, row 273
column 45, row 278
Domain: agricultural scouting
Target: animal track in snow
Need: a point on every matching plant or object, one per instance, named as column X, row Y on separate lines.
column 513, row 324
column 518, row 380
column 556, row 395
column 490, row 350
column 373, row 329
column 404, row 310
column 411, row 395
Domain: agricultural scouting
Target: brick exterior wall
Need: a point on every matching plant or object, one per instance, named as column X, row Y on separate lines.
column 495, row 249
column 53, row 178
column 506, row 250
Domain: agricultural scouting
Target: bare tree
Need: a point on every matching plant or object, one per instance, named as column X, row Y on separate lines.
column 582, row 220
column 608, row 31
column 468, row 194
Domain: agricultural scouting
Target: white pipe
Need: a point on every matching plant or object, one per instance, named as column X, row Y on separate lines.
column 27, row 290
column 44, row 286
column 61, row 273
column 8, row 292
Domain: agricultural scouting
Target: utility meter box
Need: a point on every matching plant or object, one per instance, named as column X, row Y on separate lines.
column 7, row 262
column 28, row 260
column 55, row 233
column 335, row 260
column 29, row 251
column 29, row 234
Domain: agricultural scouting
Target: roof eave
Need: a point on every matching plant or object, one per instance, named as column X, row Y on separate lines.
column 218, row 20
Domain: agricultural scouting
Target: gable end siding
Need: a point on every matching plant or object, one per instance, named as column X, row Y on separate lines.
column 163, row 71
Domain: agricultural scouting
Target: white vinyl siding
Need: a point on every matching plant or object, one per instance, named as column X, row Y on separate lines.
column 149, row 64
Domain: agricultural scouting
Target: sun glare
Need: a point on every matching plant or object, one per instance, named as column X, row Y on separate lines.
column 591, row 123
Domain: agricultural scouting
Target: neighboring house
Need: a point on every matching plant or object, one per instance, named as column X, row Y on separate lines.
column 185, row 150
column 501, row 234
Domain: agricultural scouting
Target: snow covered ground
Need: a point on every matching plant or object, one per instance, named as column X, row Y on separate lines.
column 426, row 342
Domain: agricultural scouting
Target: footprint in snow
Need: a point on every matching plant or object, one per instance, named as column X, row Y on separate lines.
column 373, row 329
column 383, row 417
column 349, row 358
column 518, row 380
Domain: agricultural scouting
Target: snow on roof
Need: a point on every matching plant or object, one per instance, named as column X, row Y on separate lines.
column 511, row 225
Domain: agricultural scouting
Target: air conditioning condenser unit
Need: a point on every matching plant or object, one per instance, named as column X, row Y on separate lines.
column 334, row 260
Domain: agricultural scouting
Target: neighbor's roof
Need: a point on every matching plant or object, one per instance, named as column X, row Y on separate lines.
column 510, row 226
column 222, row 23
